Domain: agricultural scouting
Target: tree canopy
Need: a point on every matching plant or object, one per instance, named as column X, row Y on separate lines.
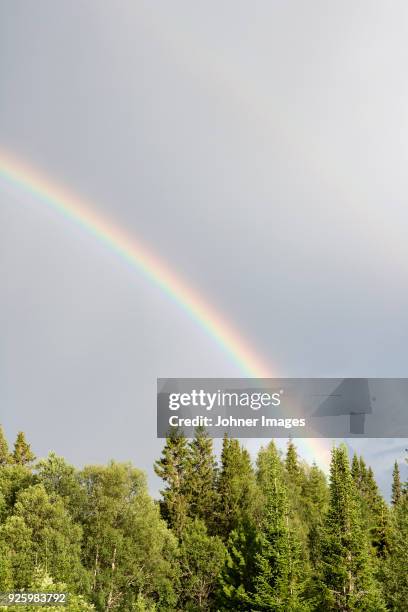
column 227, row 533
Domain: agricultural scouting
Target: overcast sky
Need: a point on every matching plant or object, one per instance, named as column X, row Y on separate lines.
column 260, row 149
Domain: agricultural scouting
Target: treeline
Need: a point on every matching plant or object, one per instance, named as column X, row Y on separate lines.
column 225, row 535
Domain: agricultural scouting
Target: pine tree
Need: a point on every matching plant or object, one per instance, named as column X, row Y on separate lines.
column 375, row 513
column 236, row 581
column 4, row 450
column 347, row 566
column 238, row 498
column 172, row 468
column 200, row 478
column 296, row 484
column 355, row 471
column 278, row 584
column 395, row 568
column 315, row 498
column 292, row 462
column 237, row 520
column 362, row 470
column 396, row 485
column 22, row 454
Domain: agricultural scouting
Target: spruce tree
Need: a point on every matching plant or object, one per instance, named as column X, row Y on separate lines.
column 236, row 581
column 375, row 513
column 363, row 471
column 200, row 478
column 278, row 583
column 396, row 485
column 292, row 462
column 395, row 567
column 355, row 471
column 238, row 516
column 4, row 450
column 172, row 468
column 237, row 495
column 22, row 454
column 296, row 483
column 315, row 501
column 347, row 565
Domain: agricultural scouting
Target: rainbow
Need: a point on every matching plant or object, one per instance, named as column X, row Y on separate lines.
column 137, row 254
column 75, row 209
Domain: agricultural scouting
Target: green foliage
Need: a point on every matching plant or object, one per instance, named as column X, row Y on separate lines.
column 62, row 480
column 292, row 463
column 222, row 537
column 6, row 574
column 128, row 549
column 13, row 480
column 4, row 449
column 200, row 482
column 43, row 583
column 238, row 495
column 395, row 574
column 201, row 560
column 172, row 469
column 347, row 565
column 373, row 509
column 278, row 583
column 41, row 532
column 396, row 485
column 314, row 502
column 236, row 581
column 22, row 454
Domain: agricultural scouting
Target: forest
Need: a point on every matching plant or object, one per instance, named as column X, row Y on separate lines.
column 227, row 533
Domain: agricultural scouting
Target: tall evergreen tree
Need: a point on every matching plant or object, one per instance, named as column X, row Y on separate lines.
column 278, row 584
column 375, row 513
column 396, row 485
column 22, row 454
column 363, row 470
column 297, row 486
column 200, row 478
column 236, row 581
column 292, row 461
column 356, row 471
column 238, row 519
column 395, row 568
column 238, row 500
column 172, row 468
column 347, row 565
column 315, row 497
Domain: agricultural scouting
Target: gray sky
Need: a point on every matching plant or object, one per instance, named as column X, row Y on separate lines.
column 258, row 148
